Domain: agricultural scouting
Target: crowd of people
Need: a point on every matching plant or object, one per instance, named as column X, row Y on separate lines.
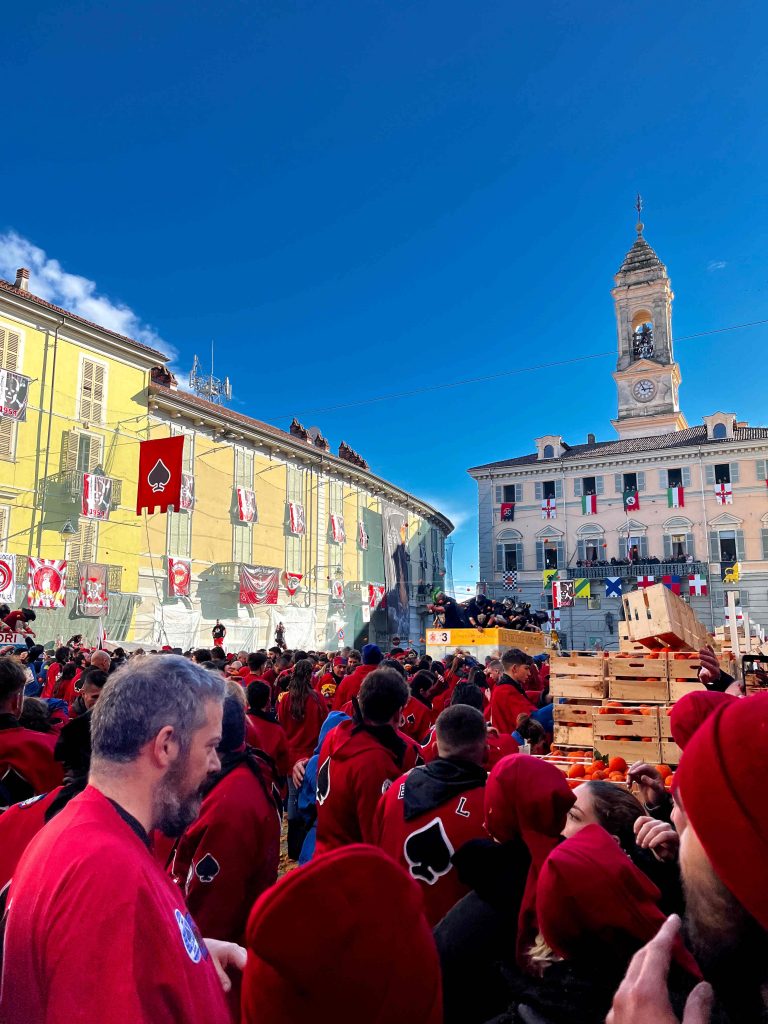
column 365, row 835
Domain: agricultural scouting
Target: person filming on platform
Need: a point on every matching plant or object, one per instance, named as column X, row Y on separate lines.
column 218, row 633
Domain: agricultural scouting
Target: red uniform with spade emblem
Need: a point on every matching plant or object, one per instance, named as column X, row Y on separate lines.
column 424, row 817
column 230, row 854
column 417, row 719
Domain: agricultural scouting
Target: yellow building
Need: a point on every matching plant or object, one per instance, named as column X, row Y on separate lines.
column 87, row 410
column 392, row 539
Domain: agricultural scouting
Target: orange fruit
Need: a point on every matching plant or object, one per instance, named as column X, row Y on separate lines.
column 617, row 764
column 664, row 770
column 616, row 776
column 596, row 766
column 600, row 775
column 576, row 771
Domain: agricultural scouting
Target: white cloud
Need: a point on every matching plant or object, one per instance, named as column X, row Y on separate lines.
column 716, row 265
column 458, row 516
column 77, row 294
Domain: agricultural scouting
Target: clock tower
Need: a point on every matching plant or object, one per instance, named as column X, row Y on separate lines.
column 647, row 376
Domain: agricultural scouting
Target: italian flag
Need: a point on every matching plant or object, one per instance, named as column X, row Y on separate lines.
column 675, row 497
column 589, row 505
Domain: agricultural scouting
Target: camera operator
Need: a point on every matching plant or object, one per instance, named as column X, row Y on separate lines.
column 447, row 612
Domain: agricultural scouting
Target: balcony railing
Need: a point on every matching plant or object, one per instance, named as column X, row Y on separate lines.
column 657, row 569
column 68, row 487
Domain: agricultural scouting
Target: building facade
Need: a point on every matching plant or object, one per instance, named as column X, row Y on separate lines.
column 679, row 504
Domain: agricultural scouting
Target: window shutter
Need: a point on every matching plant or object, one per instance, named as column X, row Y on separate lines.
column 519, row 550
column 539, row 488
column 577, row 488
column 499, row 558
column 760, row 470
column 9, row 349
column 518, row 492
column 558, row 489
column 689, row 545
column 539, row 554
column 4, row 516
column 663, row 479
column 714, row 546
column 82, row 548
column 599, row 486
column 734, row 472
column 641, row 481
column 618, row 483
column 69, row 448
column 740, row 545
column 581, row 550
column 560, row 555
column 709, row 475
column 764, row 535
column 7, row 438
column 498, row 495
column 643, row 547
column 92, row 392
column 686, row 476
column 667, row 547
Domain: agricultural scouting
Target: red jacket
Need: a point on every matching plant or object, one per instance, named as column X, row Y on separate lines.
column 507, row 702
column 350, row 685
column 88, row 891
column 424, row 817
column 27, row 767
column 19, row 825
column 352, row 769
column 327, row 685
column 51, row 676
column 499, row 746
column 417, row 718
column 269, row 736
column 302, row 734
column 229, row 855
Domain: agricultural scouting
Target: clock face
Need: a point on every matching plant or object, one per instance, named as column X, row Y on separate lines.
column 644, row 390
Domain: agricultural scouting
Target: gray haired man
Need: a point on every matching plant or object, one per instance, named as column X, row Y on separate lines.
column 88, row 890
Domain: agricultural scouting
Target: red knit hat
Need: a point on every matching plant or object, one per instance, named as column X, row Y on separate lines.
column 693, row 709
column 720, row 784
column 591, row 900
column 366, row 952
column 527, row 799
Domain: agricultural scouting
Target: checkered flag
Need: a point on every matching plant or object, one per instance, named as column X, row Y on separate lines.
column 510, row 581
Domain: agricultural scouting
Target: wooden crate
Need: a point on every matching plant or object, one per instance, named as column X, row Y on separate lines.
column 637, row 679
column 680, row 687
column 658, row 618
column 627, row 646
column 670, row 752
column 683, row 672
column 578, row 676
column 573, row 723
column 625, row 733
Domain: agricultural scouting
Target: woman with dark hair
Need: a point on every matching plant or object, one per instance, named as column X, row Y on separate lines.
column 301, row 711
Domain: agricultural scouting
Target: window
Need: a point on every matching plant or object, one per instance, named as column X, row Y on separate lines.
column 550, row 553
column 179, row 537
column 82, row 547
column 293, row 553
column 764, row 538
column 587, row 485
column 741, row 600
column 81, row 452
column 630, row 481
column 548, row 489
column 722, row 473
column 719, row 431
column 509, row 552
column 242, row 542
column 549, row 453
column 188, row 456
column 674, row 478
column 678, row 543
column 93, row 383
column 589, row 549
column 243, row 468
column 10, row 359
column 294, row 483
column 509, row 492
column 5, row 518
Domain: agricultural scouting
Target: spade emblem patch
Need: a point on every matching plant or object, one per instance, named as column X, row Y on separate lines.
column 159, row 476
column 428, row 852
column 324, row 781
column 207, row 868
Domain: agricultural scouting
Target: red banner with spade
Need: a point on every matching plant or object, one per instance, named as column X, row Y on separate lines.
column 160, row 462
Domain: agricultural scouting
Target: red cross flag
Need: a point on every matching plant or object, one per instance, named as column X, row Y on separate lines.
column 697, row 585
column 724, row 494
column 645, row 581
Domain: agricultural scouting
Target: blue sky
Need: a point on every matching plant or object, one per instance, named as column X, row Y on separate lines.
column 362, row 199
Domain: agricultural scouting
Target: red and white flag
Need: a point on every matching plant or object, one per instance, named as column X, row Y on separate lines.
column 292, row 581
column 549, row 509
column 337, row 590
column 46, row 583
column 97, row 496
column 698, row 585
column 258, row 584
column 179, row 577
column 187, row 501
column 298, row 522
column 376, row 598
column 8, row 579
column 246, row 505
column 645, row 581
column 362, row 536
column 554, row 618
column 724, row 494
column 562, row 593
column 92, row 590
column 337, row 527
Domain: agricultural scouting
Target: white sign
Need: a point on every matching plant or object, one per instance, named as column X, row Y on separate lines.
column 437, row 637
column 11, row 638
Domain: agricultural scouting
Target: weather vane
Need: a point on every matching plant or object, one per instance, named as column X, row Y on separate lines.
column 639, row 207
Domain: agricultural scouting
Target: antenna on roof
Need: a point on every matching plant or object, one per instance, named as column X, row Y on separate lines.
column 206, row 385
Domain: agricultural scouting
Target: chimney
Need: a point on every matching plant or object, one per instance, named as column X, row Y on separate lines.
column 22, row 279
column 590, row 438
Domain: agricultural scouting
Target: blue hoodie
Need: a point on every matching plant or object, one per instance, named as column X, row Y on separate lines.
column 308, row 791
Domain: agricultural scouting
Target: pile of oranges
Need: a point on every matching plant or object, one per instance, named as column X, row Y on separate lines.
column 612, row 769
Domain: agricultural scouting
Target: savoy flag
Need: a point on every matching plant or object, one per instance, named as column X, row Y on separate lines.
column 697, row 585
column 631, row 501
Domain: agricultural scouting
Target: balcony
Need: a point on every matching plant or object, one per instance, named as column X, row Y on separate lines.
column 68, row 487
column 657, row 569
column 114, row 573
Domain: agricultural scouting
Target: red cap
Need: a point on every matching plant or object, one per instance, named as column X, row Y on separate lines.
column 692, row 710
column 371, row 956
column 339, row 662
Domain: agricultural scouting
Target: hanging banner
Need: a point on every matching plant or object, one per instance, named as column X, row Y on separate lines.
column 14, row 392
column 187, row 502
column 8, row 579
column 376, row 596
column 396, row 570
column 337, row 590
column 246, row 505
column 160, row 474
column 92, row 590
column 46, row 583
column 296, row 513
column 362, row 536
column 179, row 577
column 292, row 581
column 258, row 584
column 97, row 496
column 337, row 527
